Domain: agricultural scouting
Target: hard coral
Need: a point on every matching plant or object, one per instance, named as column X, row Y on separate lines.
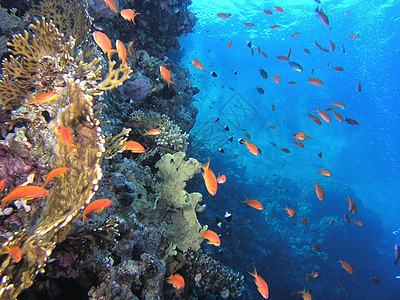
column 137, row 89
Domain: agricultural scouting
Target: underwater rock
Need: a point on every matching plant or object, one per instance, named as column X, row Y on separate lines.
column 125, row 191
column 136, row 90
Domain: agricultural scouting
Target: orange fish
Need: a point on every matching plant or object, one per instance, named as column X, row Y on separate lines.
column 166, row 75
column 133, row 146
column 359, row 223
column 3, row 185
column 339, row 69
column 197, row 64
column 153, row 132
column 221, row 179
column 352, row 204
column 273, row 107
column 304, row 221
column 279, row 9
column 338, row 116
column 209, row 179
column 54, row 173
column 65, row 136
column 253, row 203
column 324, row 172
column 252, row 148
column 104, row 43
column 304, row 294
column 298, row 143
column 299, row 136
column 111, row 5
column 319, row 192
column 268, row 12
column 212, row 237
column 354, row 36
column 315, row 119
column 26, row 191
column 272, row 127
column 264, row 54
column 14, row 251
column 249, row 24
column 295, row 34
column 324, row 115
column 314, row 274
column 224, row 15
column 354, row 211
column 347, row 267
column 306, row 51
column 230, row 45
column 258, row 49
column 292, row 82
column 177, row 281
column 44, row 98
column 262, row 286
column 97, row 206
column 129, row 15
column 285, row 150
column 121, row 51
column 315, row 81
column 290, row 212
column 130, row 48
column 275, row 27
column 338, row 104
column 277, row 79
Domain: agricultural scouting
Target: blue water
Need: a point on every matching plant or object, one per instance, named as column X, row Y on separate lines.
column 364, row 159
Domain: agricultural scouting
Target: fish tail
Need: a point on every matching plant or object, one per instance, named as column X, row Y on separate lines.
column 71, row 146
column 206, row 165
column 111, row 53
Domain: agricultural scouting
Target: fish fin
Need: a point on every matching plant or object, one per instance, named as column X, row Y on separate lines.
column 99, row 210
column 71, row 146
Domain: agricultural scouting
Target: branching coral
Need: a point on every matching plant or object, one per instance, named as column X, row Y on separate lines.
column 70, row 17
column 172, row 140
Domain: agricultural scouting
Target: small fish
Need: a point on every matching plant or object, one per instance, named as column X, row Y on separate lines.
column 285, row 150
column 26, row 191
column 324, row 115
column 272, row 127
column 224, row 15
column 338, row 104
column 331, row 222
column 129, row 15
column 111, row 5
column 304, row 221
column 306, row 51
column 133, row 146
column 298, row 143
column 226, row 128
column 235, row 72
column 264, row 54
column 316, row 247
column 282, row 58
column 263, row 74
column 121, row 51
column 231, row 139
column 338, row 116
column 319, row 192
column 358, row 87
column 315, row 119
column 251, row 147
column 249, row 44
column 320, row 154
column 268, row 12
column 295, row 34
column 44, row 98
column 248, row 136
column 166, row 75
column 258, row 49
column 3, row 184
column 312, row 71
column 65, row 136
column 324, row 172
column 347, row 267
column 253, row 203
column 343, row 49
column 228, row 216
column 354, row 36
column 375, row 279
column 260, row 90
column 252, row 51
column 314, row 274
column 14, row 251
column 104, row 43
column 54, row 173
column 295, row 66
column 290, row 212
column 277, row 79
column 212, row 237
column 352, row 122
column 325, row 50
column 249, row 24
column 275, row 27
column 359, row 223
column 216, row 120
column 292, row 82
column 318, row 45
column 279, row 9
column 339, row 69
column 304, row 294
column 322, row 16
column 221, row 150
column 332, row 46
column 209, row 179
column 153, row 132
column 396, row 252
column 315, row 81
column 197, row 64
column 262, row 286
column 299, row 136
column 235, row 156
column 97, row 206
column 213, row 74
column 346, row 13
column 177, row 281
column 273, row 107
column 130, row 48
column 346, row 218
column 342, row 287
